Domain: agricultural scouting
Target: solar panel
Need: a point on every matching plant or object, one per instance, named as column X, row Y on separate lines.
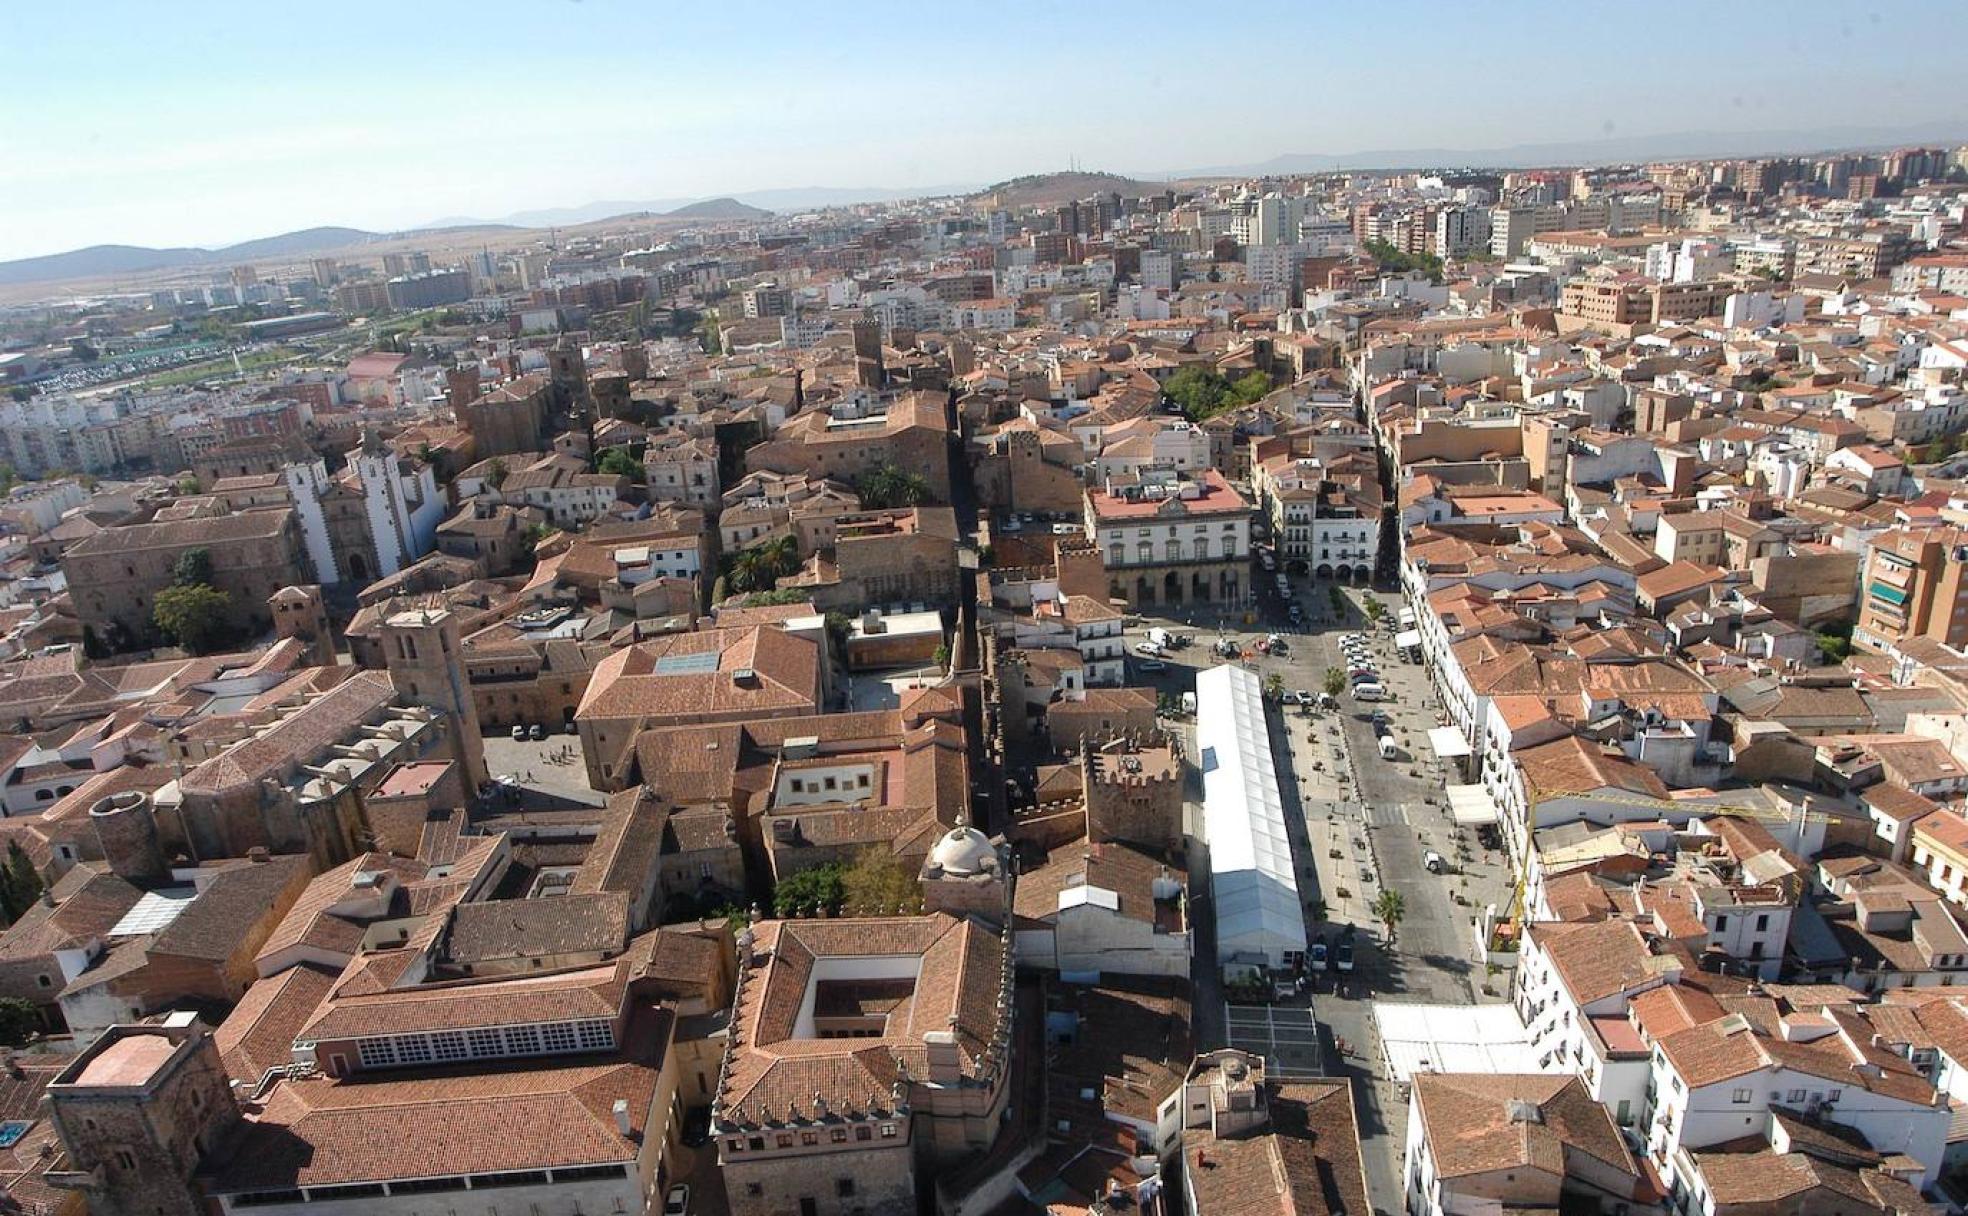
column 700, row 663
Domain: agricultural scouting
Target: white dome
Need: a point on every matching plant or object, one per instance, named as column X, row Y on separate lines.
column 963, row 850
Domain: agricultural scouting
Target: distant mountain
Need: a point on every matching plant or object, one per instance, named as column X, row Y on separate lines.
column 112, row 261
column 718, row 209
column 1612, row 149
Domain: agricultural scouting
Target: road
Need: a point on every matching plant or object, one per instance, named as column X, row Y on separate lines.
column 1359, row 824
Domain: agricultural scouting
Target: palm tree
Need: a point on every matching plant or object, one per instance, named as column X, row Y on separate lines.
column 1335, row 681
column 1388, row 909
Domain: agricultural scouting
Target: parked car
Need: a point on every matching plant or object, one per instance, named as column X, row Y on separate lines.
column 1321, row 956
column 1148, row 648
column 677, row 1202
column 519, row 734
column 1369, row 692
column 1152, row 665
column 1343, row 952
column 539, row 732
column 1433, row 863
column 1387, row 748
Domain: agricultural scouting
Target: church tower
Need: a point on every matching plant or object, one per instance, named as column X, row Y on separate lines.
column 425, row 655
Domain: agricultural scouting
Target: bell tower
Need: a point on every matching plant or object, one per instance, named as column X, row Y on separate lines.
column 425, row 655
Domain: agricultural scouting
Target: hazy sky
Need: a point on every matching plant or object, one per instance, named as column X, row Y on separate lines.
column 130, row 121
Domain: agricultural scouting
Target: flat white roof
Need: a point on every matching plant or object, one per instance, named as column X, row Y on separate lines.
column 1454, row 1038
column 1251, row 874
column 153, row 911
column 1472, row 806
column 1447, row 742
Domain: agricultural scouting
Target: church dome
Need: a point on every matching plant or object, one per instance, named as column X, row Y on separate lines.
column 963, row 850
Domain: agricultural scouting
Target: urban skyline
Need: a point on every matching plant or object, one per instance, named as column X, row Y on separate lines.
column 681, row 104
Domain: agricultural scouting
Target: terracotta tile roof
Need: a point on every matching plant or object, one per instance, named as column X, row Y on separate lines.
column 259, row 1033
column 1479, row 1124
column 1573, row 766
column 637, row 683
column 956, row 989
column 524, row 1115
column 527, row 928
column 1305, row 1162
column 213, row 925
column 1602, row 959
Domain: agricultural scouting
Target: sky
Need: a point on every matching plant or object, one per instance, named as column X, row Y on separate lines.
column 206, row 123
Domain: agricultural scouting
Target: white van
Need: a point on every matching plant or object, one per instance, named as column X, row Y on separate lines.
column 1387, row 749
column 1369, row 692
column 1157, row 636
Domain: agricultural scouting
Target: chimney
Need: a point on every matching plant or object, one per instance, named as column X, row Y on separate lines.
column 622, row 1116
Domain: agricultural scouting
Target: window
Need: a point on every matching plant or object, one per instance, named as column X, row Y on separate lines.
column 486, row 1041
column 597, row 1035
column 754, row 1188
column 558, row 1036
column 735, row 1145
column 523, row 1040
column 376, row 1053
column 844, row 1187
column 1796, row 1095
column 862, row 1133
column 888, row 1131
column 450, row 1045
column 785, row 1139
column 838, row 1135
column 125, row 1160
column 809, row 1138
column 413, row 1049
column 1741, row 1096
column 1721, row 923
column 1762, row 922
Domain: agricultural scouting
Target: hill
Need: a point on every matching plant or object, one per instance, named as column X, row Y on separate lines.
column 1053, row 189
column 719, row 209
column 113, row 261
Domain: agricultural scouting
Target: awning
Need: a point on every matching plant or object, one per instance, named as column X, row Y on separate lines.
column 1448, row 742
column 1472, row 806
column 1892, row 595
column 1407, row 638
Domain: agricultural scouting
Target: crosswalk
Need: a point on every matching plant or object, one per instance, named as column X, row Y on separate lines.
column 1387, row 814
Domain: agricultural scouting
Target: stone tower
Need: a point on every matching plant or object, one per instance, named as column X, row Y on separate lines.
column 138, row 1112
column 126, row 827
column 425, row 655
column 1134, row 793
column 461, row 386
column 300, row 613
column 567, row 378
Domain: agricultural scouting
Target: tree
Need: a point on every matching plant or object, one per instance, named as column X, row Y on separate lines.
column 889, row 486
column 942, row 656
column 1274, row 686
column 878, row 885
column 1200, row 392
column 195, row 617
column 495, row 473
column 1388, row 909
column 616, row 462
column 193, row 568
column 1249, row 387
column 19, row 1021
column 760, row 567
column 83, row 351
column 1400, row 261
column 1375, row 611
column 810, row 892
column 189, row 485
column 1334, row 681
column 20, row 882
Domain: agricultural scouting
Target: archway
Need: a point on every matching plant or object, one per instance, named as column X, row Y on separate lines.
column 1171, row 588
column 1325, row 570
column 358, row 567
